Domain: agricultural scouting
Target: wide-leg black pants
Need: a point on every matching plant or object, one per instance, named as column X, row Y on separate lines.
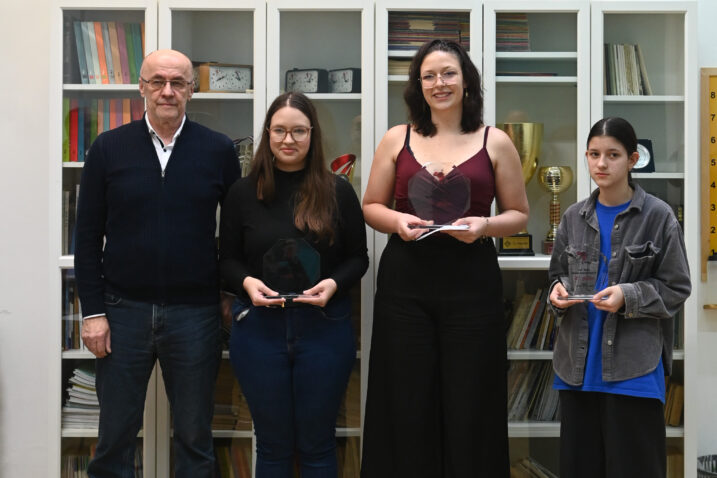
column 436, row 403
column 604, row 435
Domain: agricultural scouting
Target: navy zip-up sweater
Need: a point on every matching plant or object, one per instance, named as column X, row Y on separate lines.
column 158, row 228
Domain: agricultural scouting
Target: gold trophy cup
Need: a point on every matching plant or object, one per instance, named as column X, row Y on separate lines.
column 527, row 138
column 555, row 179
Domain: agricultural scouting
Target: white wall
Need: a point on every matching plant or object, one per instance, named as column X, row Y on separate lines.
column 25, row 351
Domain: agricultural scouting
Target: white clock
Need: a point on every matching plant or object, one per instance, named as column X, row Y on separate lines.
column 313, row 80
column 345, row 80
column 646, row 161
column 223, row 77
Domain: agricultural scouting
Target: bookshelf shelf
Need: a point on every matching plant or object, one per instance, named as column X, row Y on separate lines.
column 538, row 80
column 536, row 262
column 233, row 434
column 67, row 262
column 533, row 429
column 335, row 96
column 223, row 96
column 537, row 55
column 642, row 99
column 659, row 175
column 128, row 87
column 77, row 355
column 73, row 164
column 86, row 433
column 530, row 354
column 348, row 432
column 397, row 78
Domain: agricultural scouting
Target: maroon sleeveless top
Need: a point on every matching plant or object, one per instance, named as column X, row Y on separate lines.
column 478, row 169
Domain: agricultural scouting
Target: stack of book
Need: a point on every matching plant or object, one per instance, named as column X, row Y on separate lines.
column 410, row 30
column 82, row 409
column 348, row 457
column 398, row 66
column 512, row 32
column 674, row 403
column 530, row 391
column 233, row 458
column 71, row 314
column 533, row 323
column 349, row 410
column 528, row 467
column 105, row 52
column 625, row 70
column 74, row 466
column 231, row 410
column 83, row 119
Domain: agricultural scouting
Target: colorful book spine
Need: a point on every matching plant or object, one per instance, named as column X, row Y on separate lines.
column 80, row 130
column 122, row 45
column 114, row 47
column 93, row 65
column 93, row 120
column 113, row 114
column 73, row 130
column 106, row 115
column 101, row 52
column 100, row 116
column 65, row 129
column 126, row 111
column 133, row 72
column 138, row 51
column 81, row 57
column 108, row 52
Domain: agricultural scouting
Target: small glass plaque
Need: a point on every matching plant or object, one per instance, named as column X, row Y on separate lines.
column 439, row 192
column 584, row 267
column 290, row 267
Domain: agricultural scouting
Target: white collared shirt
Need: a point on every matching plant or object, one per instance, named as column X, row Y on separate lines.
column 164, row 151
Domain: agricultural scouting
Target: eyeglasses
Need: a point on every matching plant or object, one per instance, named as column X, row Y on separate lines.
column 156, row 84
column 299, row 134
column 429, row 80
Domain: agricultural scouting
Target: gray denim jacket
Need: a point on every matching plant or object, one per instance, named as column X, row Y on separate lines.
column 649, row 262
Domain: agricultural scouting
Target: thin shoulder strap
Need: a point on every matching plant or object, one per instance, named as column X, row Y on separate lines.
column 408, row 134
column 485, row 137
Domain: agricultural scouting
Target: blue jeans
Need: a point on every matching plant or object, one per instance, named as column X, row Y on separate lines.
column 293, row 365
column 185, row 339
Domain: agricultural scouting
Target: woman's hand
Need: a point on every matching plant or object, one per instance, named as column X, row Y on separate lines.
column 320, row 294
column 610, row 299
column 258, row 292
column 403, row 221
column 556, row 294
column 477, row 228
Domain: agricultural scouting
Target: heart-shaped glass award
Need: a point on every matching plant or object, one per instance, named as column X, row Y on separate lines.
column 290, row 267
column 439, row 192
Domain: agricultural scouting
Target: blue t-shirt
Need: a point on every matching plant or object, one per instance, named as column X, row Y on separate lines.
column 651, row 385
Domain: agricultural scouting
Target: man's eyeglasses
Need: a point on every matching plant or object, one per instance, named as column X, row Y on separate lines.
column 156, row 84
column 300, row 133
column 429, row 80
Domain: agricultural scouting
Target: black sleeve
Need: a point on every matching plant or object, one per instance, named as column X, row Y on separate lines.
column 353, row 235
column 232, row 263
column 90, row 232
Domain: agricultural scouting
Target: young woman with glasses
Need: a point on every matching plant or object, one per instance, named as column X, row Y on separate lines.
column 292, row 349
column 436, row 402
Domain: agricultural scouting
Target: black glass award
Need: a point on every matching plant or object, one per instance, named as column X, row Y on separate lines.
column 290, row 267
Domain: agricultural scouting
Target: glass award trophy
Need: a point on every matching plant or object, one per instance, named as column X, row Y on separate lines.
column 439, row 192
column 290, row 267
column 583, row 280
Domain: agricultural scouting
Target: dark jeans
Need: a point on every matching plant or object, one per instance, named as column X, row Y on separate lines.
column 607, row 435
column 185, row 339
column 293, row 365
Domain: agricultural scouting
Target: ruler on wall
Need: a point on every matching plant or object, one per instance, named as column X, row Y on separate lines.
column 708, row 121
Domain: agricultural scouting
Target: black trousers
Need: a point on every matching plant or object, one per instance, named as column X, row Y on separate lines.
column 436, row 403
column 605, row 435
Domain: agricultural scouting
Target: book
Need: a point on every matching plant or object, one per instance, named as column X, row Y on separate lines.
column 529, row 320
column 114, row 48
column 108, row 52
column 138, row 50
column 647, row 89
column 93, row 65
column 133, row 72
column 81, row 56
column 100, row 46
column 122, row 46
column 516, row 324
column 65, row 129
column 126, row 111
column 536, row 319
column 73, row 129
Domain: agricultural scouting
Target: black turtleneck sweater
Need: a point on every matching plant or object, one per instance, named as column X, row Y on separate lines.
column 250, row 227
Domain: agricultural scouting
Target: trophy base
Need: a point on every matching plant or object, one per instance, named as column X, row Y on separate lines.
column 520, row 244
column 548, row 247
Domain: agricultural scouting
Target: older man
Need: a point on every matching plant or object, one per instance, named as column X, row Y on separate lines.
column 146, row 266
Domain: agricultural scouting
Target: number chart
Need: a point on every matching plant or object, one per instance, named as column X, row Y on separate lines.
column 708, row 120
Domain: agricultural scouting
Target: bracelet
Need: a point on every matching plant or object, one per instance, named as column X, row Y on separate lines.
column 487, row 223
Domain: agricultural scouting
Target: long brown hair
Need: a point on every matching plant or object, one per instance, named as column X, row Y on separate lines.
column 315, row 201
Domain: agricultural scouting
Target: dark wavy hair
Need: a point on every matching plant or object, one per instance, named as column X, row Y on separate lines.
column 621, row 130
column 418, row 110
column 315, row 201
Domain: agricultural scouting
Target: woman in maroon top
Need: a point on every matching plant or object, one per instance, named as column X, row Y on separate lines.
column 436, row 402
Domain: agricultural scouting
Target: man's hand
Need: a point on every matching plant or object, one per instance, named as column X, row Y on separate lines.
column 96, row 335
